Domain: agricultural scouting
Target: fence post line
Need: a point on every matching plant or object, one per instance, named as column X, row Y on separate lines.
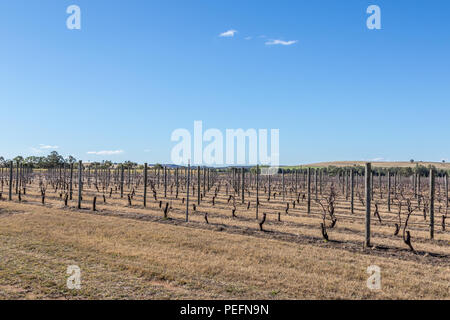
column 432, row 203
column 11, row 168
column 284, row 188
column 80, row 182
column 368, row 198
column 145, row 184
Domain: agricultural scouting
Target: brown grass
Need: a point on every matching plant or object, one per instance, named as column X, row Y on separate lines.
column 134, row 253
column 129, row 259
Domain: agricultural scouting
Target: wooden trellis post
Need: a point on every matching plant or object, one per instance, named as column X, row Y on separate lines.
column 243, row 185
column 346, row 176
column 17, row 177
column 308, row 187
column 11, row 168
column 371, row 185
column 379, row 180
column 198, row 185
column 187, row 191
column 395, row 184
column 296, row 181
column 71, row 181
column 418, row 183
column 145, row 184
column 257, row 190
column 446, row 190
column 321, row 180
column 389, row 191
column 80, row 182
column 282, row 178
column 159, row 172
column 165, row 182
column 121, row 180
column 204, row 182
column 176, row 182
column 315, row 184
column 368, row 198
column 209, row 173
column 351, row 191
column 129, row 177
column 432, row 203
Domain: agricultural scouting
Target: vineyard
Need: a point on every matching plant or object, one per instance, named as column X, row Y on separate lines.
column 378, row 213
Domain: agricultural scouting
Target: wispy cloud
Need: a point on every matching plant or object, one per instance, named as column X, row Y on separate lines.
column 105, row 152
column 229, row 33
column 42, row 148
column 36, row 150
column 248, row 38
column 46, row 146
column 280, row 42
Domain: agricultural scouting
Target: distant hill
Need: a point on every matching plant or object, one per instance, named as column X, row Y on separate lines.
column 382, row 164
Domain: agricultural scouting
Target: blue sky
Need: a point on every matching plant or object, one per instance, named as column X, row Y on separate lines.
column 138, row 70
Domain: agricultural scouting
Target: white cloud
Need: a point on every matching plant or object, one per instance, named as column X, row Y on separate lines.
column 106, row 152
column 36, row 150
column 248, row 38
column 42, row 148
column 45, row 146
column 229, row 33
column 378, row 159
column 284, row 43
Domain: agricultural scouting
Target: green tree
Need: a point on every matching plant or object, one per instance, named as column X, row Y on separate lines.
column 54, row 159
column 18, row 159
column 71, row 159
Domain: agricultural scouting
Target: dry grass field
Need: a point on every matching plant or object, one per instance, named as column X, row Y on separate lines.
column 131, row 252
